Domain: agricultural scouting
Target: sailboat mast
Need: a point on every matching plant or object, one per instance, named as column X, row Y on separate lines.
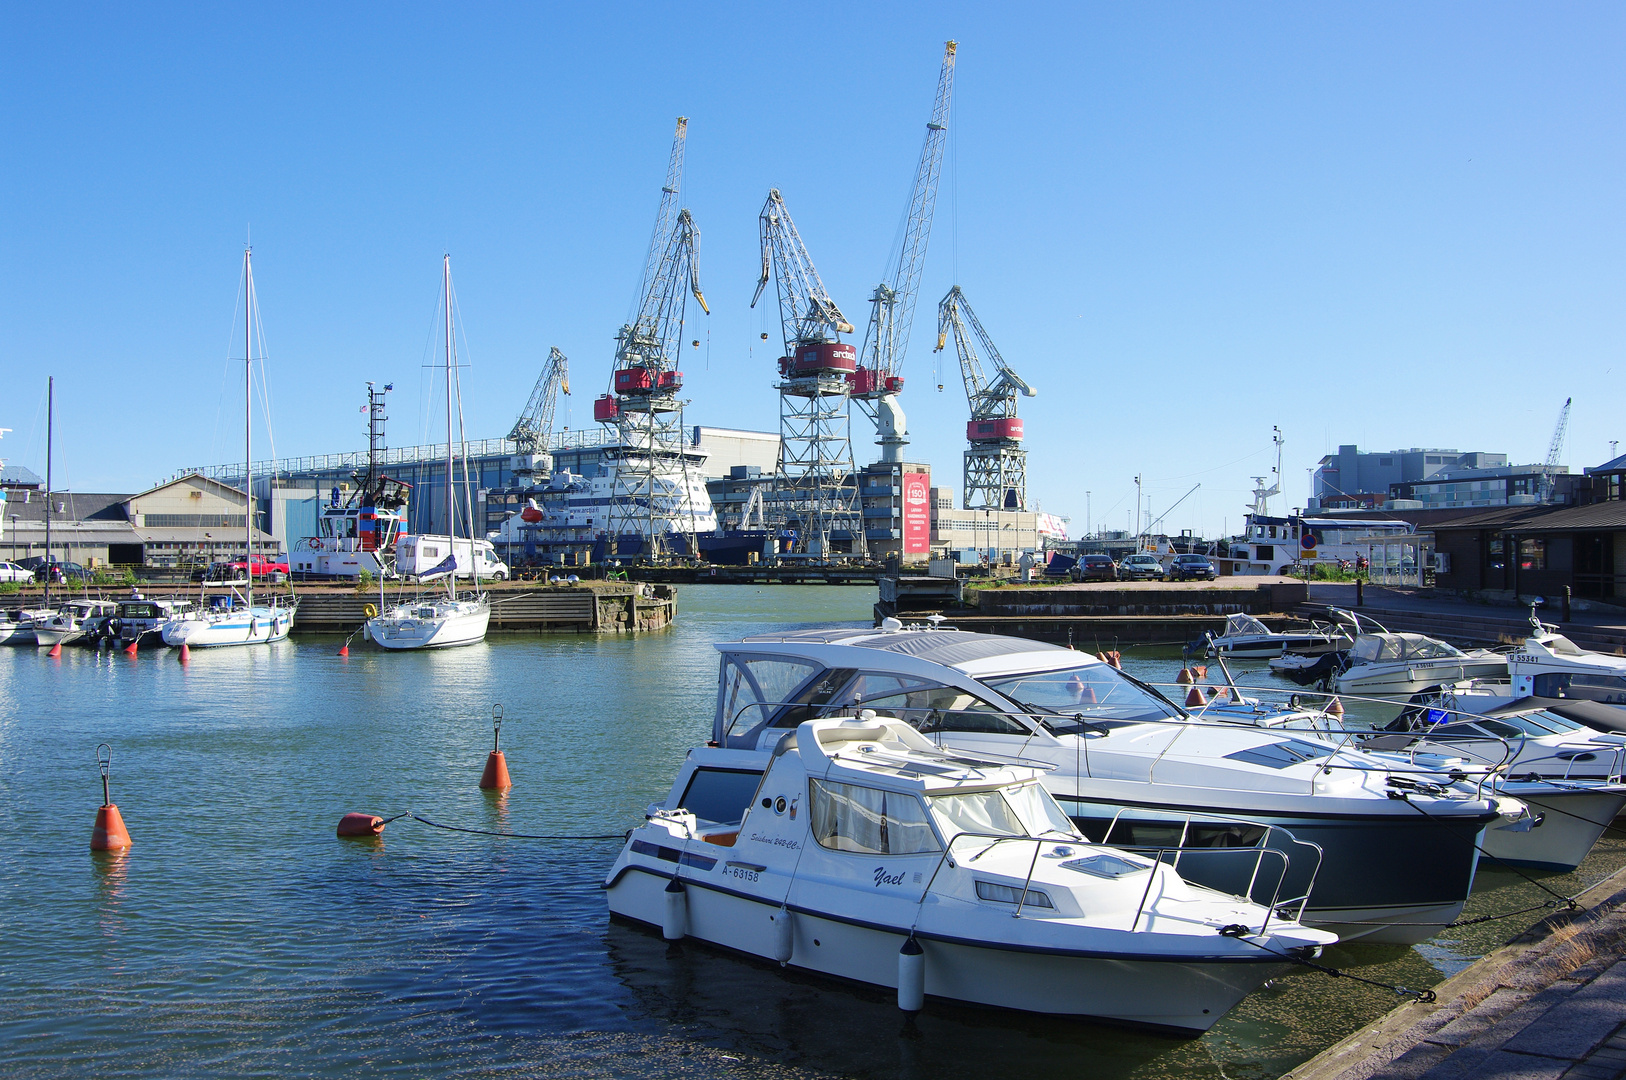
column 50, row 420
column 451, row 504
column 248, row 421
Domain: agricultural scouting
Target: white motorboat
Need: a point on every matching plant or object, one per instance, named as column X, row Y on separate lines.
column 867, row 853
column 1568, row 775
column 17, row 625
column 1131, row 767
column 441, row 622
column 140, row 620
column 74, row 621
column 1246, row 638
column 1399, row 665
column 1551, row 672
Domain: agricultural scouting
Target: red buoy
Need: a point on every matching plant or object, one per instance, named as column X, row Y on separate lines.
column 344, row 650
column 109, row 833
column 130, row 649
column 1184, row 678
column 56, row 651
column 186, row 652
column 495, row 776
column 361, row 825
column 1195, row 699
column 1335, row 707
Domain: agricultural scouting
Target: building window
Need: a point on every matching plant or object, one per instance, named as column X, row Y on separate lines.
column 1532, row 553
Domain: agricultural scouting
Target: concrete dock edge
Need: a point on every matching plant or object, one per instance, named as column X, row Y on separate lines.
column 1545, row 1004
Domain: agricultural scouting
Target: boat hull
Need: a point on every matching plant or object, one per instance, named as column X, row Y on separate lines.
column 1184, row 996
column 48, row 636
column 451, row 631
column 1404, row 680
column 261, row 627
column 1569, row 824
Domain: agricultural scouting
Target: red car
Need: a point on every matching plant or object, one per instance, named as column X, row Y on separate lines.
column 262, row 568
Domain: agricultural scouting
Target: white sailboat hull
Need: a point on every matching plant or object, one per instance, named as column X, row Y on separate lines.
column 441, row 625
column 251, row 626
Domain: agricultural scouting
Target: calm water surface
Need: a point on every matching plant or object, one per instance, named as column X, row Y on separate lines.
column 239, row 937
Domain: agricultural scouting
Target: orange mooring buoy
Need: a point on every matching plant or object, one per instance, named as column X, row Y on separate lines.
column 1335, row 707
column 361, row 825
column 1184, row 678
column 495, row 776
column 56, row 651
column 109, row 833
column 1116, row 659
column 1199, row 671
column 1195, row 699
column 130, row 649
column 186, row 653
column 344, row 650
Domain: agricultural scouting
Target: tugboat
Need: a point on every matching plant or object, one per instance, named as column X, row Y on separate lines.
column 356, row 532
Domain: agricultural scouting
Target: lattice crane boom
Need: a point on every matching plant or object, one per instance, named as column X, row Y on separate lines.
column 893, row 302
column 1556, row 447
column 535, row 425
column 654, row 339
column 989, row 400
column 666, row 217
column 806, row 311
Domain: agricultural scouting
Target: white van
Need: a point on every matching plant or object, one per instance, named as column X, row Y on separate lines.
column 416, row 556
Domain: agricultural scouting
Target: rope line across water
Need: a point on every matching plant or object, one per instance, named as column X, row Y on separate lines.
column 1424, row 996
column 493, row 832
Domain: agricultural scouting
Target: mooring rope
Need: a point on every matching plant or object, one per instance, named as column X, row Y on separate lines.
column 1240, row 932
column 415, row 816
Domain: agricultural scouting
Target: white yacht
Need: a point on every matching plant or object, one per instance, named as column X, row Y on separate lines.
column 17, row 624
column 1246, row 638
column 1133, row 768
column 1399, row 665
column 74, row 621
column 440, row 622
column 867, row 853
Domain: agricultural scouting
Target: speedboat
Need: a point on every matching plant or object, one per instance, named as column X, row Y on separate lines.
column 1551, row 672
column 229, row 620
column 865, row 852
column 1246, row 638
column 1399, row 665
column 140, row 621
column 1131, row 767
column 437, row 623
column 74, row 621
column 17, row 625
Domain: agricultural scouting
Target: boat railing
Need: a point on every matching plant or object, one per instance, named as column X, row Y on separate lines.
column 1260, row 849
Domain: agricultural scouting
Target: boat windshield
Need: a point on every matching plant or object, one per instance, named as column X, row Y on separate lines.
column 1238, row 625
column 1026, row 810
column 1385, row 648
column 1095, row 692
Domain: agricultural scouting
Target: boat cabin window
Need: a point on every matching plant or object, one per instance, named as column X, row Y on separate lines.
column 1027, row 810
column 752, row 687
column 930, row 708
column 1094, row 691
column 813, row 699
column 1610, row 689
column 870, row 821
column 720, row 795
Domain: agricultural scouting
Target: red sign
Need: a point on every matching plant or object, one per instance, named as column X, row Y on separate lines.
column 917, row 513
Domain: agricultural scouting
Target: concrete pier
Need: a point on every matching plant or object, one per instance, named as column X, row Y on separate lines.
column 1550, row 1005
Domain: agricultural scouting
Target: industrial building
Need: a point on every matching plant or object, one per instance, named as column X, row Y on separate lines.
column 1352, row 480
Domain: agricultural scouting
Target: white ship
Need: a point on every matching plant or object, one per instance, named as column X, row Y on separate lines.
column 669, row 501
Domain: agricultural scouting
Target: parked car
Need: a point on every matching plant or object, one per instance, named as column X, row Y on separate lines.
column 263, row 567
column 60, row 571
column 10, row 571
column 1096, row 568
column 1191, row 568
column 1141, row 568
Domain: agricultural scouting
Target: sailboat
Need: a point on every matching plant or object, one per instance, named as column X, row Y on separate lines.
column 440, row 622
column 235, row 619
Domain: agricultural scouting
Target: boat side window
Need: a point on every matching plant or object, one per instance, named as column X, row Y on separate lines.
column 1610, row 689
column 983, row 812
column 869, row 821
column 720, row 795
column 1281, row 755
column 813, row 699
column 931, row 708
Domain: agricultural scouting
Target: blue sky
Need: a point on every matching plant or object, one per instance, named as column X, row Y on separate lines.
column 1388, row 224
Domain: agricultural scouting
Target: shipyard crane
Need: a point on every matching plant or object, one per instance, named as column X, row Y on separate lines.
column 814, row 496
column 807, row 315
column 1554, row 449
column 643, row 406
column 996, row 464
column 879, row 378
column 534, row 428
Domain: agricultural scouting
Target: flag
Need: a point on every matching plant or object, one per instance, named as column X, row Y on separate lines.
column 445, row 566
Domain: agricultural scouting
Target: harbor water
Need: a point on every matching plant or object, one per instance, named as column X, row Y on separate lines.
column 239, row 937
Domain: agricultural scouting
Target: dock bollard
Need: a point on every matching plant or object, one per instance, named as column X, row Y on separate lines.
column 109, row 833
column 495, row 777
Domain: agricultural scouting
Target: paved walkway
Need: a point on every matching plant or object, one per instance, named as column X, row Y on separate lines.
column 1550, row 1006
